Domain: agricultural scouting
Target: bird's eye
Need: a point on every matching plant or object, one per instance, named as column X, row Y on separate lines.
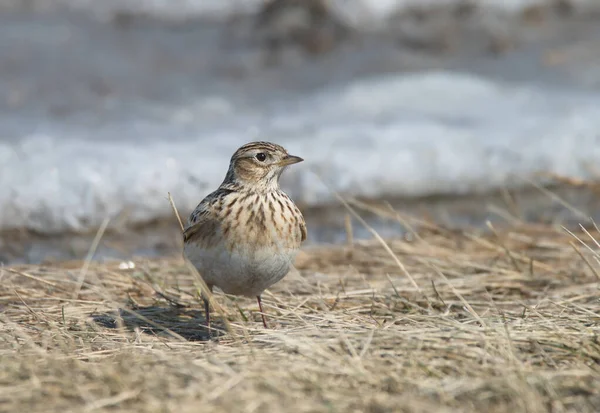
column 261, row 156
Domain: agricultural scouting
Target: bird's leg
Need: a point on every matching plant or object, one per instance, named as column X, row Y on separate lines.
column 207, row 312
column 264, row 319
column 207, row 309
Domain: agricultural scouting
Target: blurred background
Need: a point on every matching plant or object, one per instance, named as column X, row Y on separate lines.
column 455, row 111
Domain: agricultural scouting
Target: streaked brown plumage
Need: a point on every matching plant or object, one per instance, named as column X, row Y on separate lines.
column 244, row 236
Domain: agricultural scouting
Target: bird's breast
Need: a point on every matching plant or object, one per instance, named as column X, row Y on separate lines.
column 251, row 245
column 261, row 221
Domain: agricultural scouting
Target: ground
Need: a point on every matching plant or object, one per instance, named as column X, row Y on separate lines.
column 441, row 320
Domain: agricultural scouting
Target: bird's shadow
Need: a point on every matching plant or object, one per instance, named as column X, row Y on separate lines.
column 161, row 321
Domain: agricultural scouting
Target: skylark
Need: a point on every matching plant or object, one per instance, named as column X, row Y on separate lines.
column 244, row 236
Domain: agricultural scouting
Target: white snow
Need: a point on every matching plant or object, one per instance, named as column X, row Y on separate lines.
column 403, row 135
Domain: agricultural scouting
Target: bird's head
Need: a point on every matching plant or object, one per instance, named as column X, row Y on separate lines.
column 258, row 166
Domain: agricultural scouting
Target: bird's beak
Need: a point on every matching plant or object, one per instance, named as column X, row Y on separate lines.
column 289, row 160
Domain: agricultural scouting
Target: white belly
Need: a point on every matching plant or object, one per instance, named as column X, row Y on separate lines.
column 240, row 272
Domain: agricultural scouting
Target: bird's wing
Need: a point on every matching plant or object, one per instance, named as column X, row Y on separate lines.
column 203, row 225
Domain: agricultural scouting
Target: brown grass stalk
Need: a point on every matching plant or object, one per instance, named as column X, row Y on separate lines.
column 352, row 333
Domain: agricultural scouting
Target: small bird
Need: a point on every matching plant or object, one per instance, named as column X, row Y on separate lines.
column 244, row 236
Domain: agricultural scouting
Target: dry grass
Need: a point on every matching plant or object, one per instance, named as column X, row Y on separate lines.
column 500, row 323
